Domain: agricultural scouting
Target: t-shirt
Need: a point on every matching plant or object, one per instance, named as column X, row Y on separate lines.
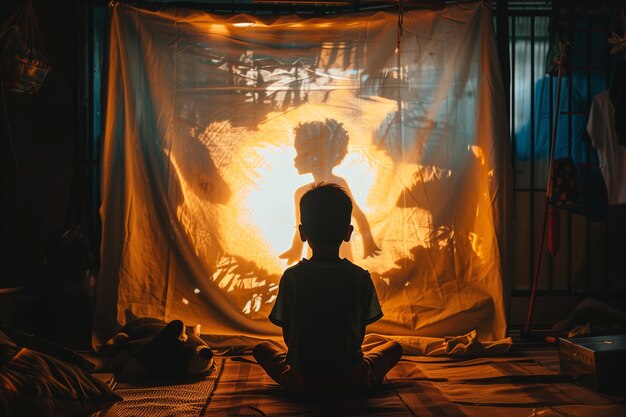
column 325, row 308
column 601, row 129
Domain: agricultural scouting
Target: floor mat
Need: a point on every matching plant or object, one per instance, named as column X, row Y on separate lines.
column 522, row 384
column 515, row 386
column 244, row 389
column 181, row 400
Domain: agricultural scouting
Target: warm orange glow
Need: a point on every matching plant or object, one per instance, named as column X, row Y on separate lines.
column 258, row 222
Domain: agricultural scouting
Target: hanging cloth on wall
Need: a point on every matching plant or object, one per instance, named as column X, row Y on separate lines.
column 23, row 62
column 601, row 130
column 594, row 201
column 617, row 95
column 201, row 164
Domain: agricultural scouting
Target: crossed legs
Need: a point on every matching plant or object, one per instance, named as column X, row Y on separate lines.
column 378, row 361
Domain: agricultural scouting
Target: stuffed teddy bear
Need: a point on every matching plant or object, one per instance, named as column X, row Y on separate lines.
column 150, row 349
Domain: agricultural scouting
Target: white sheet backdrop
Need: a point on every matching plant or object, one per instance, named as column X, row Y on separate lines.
column 199, row 176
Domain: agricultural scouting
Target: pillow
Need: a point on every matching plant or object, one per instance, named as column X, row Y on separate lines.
column 37, row 344
column 37, row 384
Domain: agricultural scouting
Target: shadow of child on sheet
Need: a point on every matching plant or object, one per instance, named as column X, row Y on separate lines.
column 320, row 147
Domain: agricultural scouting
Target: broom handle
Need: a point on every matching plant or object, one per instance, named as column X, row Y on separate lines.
column 548, row 189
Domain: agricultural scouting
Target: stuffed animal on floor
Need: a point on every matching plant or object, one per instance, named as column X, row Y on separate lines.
column 148, row 349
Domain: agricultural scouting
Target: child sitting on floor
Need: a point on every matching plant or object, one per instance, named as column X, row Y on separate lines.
column 323, row 306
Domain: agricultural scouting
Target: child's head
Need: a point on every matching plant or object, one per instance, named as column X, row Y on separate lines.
column 325, row 213
column 319, row 144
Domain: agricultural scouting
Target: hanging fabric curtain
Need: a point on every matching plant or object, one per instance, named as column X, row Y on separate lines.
column 23, row 62
column 215, row 124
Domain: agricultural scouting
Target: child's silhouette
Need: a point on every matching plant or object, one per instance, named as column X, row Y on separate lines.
column 321, row 146
column 323, row 306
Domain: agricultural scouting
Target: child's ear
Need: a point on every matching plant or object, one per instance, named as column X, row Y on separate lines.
column 348, row 235
column 303, row 236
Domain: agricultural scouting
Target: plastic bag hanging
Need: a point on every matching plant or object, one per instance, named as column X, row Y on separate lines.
column 23, row 62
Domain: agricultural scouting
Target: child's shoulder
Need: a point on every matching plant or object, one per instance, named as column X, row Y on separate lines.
column 303, row 189
column 342, row 265
column 358, row 269
column 297, row 269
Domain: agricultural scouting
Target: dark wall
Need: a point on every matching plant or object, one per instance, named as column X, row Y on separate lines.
column 45, row 130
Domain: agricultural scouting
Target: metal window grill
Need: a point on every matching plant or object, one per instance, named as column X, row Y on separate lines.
column 590, row 259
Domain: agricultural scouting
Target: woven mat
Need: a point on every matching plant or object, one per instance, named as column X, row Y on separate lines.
column 519, row 385
column 244, row 389
column 180, row 400
column 514, row 386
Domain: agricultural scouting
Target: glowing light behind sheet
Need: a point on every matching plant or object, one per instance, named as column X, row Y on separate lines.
column 259, row 220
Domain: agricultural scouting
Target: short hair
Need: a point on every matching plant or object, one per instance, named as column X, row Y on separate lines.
column 330, row 135
column 325, row 213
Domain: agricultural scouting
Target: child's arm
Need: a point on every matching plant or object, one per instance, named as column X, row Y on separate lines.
column 369, row 246
column 294, row 253
column 281, row 311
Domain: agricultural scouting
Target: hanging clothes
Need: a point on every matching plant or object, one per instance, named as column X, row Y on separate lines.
column 601, row 129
